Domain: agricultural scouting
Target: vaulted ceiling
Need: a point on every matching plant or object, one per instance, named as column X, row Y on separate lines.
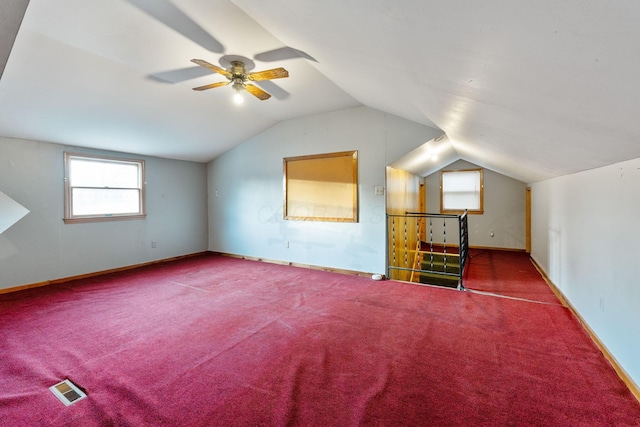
column 533, row 90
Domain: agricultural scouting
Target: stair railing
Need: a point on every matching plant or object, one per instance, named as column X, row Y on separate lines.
column 435, row 261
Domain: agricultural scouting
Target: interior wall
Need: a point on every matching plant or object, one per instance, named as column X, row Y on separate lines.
column 246, row 190
column 585, row 236
column 42, row 247
column 402, row 196
column 504, row 208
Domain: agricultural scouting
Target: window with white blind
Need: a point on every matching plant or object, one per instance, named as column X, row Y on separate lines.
column 461, row 190
column 103, row 188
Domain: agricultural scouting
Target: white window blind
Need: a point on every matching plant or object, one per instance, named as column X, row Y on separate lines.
column 461, row 190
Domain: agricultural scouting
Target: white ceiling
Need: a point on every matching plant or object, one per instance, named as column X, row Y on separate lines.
column 529, row 89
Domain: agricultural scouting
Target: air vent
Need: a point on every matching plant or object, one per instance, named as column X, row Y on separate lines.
column 67, row 392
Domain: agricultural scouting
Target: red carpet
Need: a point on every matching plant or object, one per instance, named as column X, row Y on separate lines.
column 510, row 274
column 214, row 341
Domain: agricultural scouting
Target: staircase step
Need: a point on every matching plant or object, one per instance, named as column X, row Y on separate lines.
column 425, row 246
column 439, row 280
column 439, row 266
column 435, row 261
column 439, row 256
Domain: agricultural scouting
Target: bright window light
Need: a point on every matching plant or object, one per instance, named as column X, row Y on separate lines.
column 461, row 190
column 102, row 188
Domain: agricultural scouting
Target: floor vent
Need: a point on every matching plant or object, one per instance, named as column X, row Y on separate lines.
column 67, row 392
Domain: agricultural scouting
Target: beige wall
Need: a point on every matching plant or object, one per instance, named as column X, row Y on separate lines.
column 504, row 208
column 246, row 194
column 42, row 247
column 585, row 235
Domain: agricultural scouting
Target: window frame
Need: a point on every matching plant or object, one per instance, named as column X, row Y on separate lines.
column 69, row 218
column 479, row 211
column 336, row 167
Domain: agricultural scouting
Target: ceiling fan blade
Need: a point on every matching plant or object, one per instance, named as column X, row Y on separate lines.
column 257, row 92
column 211, row 86
column 276, row 73
column 212, row 67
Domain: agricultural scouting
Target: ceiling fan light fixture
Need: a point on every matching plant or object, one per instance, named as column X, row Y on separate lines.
column 238, row 98
column 238, row 84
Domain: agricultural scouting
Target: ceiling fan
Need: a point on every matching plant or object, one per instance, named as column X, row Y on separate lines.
column 238, row 76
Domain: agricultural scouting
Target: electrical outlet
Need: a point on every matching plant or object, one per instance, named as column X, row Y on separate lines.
column 154, row 244
column 378, row 190
column 286, row 244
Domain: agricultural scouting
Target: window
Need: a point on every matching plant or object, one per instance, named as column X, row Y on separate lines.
column 321, row 187
column 102, row 188
column 461, row 190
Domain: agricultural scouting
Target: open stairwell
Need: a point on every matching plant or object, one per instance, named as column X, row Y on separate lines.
column 438, row 268
column 434, row 261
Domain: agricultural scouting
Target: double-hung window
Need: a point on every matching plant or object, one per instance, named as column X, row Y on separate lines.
column 462, row 190
column 103, row 188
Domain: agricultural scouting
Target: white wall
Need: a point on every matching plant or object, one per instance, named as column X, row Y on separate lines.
column 41, row 247
column 504, row 208
column 586, row 236
column 246, row 190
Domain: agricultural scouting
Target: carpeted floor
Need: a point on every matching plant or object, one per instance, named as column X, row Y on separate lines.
column 506, row 273
column 216, row 341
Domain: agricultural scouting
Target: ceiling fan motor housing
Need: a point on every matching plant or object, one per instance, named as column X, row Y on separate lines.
column 237, row 70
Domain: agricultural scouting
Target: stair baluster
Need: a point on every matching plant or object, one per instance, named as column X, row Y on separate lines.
column 430, row 243
column 444, row 242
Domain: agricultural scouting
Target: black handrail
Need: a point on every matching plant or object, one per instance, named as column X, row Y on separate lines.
column 464, row 244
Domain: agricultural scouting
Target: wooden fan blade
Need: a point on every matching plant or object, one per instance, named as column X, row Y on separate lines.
column 211, row 86
column 212, row 67
column 257, row 92
column 276, row 73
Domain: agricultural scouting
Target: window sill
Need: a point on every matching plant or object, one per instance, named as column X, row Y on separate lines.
column 103, row 218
